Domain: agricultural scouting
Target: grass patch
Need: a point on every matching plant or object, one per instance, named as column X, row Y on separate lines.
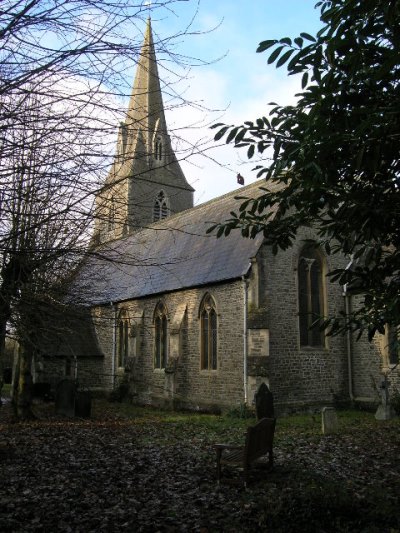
column 228, row 428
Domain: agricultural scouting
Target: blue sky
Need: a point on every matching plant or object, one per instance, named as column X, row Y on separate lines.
column 238, row 86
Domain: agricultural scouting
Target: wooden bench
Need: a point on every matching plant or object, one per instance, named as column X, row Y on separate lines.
column 259, row 442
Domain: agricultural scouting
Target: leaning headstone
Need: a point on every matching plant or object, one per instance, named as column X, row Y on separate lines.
column 264, row 402
column 83, row 404
column 329, row 421
column 65, row 398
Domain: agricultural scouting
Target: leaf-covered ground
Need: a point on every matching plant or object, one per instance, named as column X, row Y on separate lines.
column 132, row 470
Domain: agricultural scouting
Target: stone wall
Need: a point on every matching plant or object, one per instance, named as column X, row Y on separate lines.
column 301, row 375
column 183, row 382
column 297, row 375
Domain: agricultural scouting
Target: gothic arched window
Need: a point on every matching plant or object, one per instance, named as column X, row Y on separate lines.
column 208, row 334
column 160, row 208
column 160, row 336
column 122, row 338
column 311, row 296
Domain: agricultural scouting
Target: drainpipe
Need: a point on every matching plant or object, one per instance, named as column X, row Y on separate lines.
column 348, row 337
column 114, row 344
column 348, row 347
column 245, row 301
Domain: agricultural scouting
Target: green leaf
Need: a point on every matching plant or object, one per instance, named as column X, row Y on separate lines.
column 328, row 248
column 304, row 80
column 274, row 54
column 284, row 58
column 232, row 135
column 299, row 41
column 308, row 37
column 250, row 151
column 211, row 228
column 218, row 125
column 221, row 133
column 240, row 135
column 264, row 45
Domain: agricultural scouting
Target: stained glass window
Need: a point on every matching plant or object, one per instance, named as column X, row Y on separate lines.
column 209, row 334
column 160, row 336
column 311, row 297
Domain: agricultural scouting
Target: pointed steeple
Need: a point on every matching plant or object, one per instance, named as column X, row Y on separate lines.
column 146, row 182
column 146, row 108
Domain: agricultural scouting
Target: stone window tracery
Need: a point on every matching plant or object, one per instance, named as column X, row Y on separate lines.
column 122, row 339
column 158, row 149
column 160, row 336
column 160, row 208
column 310, row 296
column 208, row 334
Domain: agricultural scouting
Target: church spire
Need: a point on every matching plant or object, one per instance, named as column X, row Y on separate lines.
column 146, row 108
column 145, row 182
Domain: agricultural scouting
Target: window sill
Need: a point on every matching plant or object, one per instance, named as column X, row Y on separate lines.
column 314, row 348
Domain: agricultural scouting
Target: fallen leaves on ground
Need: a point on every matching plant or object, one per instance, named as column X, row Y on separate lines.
column 112, row 473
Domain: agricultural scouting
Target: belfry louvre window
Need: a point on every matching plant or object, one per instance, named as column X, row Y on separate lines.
column 160, row 336
column 158, row 149
column 311, row 296
column 208, row 333
column 160, row 208
column 123, row 339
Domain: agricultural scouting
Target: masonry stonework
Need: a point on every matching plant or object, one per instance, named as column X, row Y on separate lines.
column 146, row 260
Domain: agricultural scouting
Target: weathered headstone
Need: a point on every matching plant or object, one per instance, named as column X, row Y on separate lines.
column 329, row 421
column 83, row 404
column 264, row 402
column 385, row 411
column 65, row 398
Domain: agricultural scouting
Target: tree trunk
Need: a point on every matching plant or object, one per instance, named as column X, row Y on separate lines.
column 3, row 329
column 22, row 397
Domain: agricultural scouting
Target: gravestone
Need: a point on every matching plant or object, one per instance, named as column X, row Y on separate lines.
column 264, row 402
column 83, row 404
column 329, row 421
column 65, row 398
column 385, row 411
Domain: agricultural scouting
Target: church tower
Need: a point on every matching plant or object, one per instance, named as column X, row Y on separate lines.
column 145, row 183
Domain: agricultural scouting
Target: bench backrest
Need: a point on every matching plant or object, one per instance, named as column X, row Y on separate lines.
column 259, row 439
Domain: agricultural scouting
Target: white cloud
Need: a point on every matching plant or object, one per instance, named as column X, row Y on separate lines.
column 214, row 172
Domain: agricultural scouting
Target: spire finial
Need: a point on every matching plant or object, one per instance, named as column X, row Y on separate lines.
column 148, row 4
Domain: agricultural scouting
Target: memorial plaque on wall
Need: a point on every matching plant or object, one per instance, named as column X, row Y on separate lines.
column 258, row 342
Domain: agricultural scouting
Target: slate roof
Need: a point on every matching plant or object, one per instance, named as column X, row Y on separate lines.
column 67, row 333
column 169, row 255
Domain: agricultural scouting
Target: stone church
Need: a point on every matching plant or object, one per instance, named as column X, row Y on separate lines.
column 181, row 318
